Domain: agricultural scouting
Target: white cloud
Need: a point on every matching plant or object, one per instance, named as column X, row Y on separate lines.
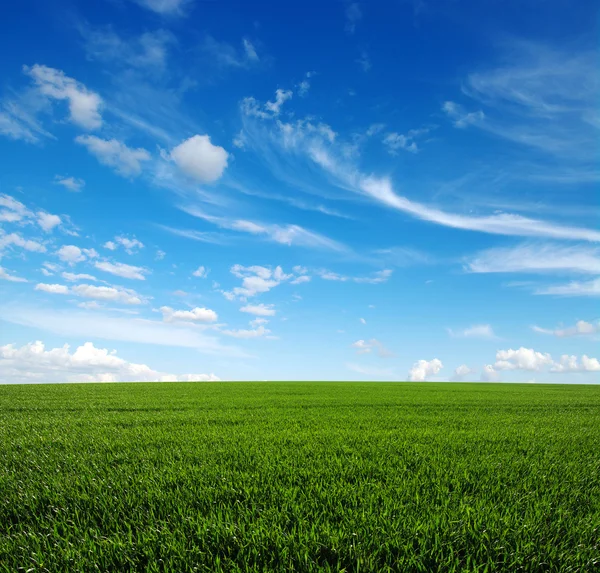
column 581, row 328
column 70, row 183
column 200, row 159
column 353, row 16
column 73, row 277
column 160, row 255
column 367, row 346
column 195, row 315
column 84, row 105
column 110, row 245
column 130, row 245
column 71, row 254
column 47, row 221
column 12, row 210
column 574, row 288
column 362, row 321
column 255, row 280
column 122, row 270
column 250, row 50
column 395, row 141
column 33, row 363
column 71, row 324
column 16, row 240
column 461, row 372
column 424, row 369
column 259, row 309
column 572, row 364
column 281, row 96
column 476, row 331
column 258, row 322
column 201, row 272
column 7, row 276
column 113, row 294
column 165, row 7
column 521, row 359
column 488, row 374
column 52, row 288
column 534, row 258
column 301, row 279
column 125, row 160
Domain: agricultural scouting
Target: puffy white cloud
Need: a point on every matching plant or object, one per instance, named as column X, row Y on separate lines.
column 48, row 221
column 581, row 328
column 572, row 364
column 52, row 288
column 270, row 110
column 74, row 277
column 84, row 105
column 70, row 183
column 12, row 210
column 125, row 160
column 259, row 309
column 255, row 280
column 195, row 315
column 258, row 321
column 489, row 374
column 16, row 240
column 71, row 254
column 122, row 270
column 461, row 372
column 113, row 294
column 201, row 272
column 130, row 245
column 281, row 96
column 423, row 369
column 476, row 331
column 33, row 363
column 367, row 346
column 200, row 159
column 521, row 359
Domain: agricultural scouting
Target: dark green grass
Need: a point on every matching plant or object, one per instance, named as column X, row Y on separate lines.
column 299, row 477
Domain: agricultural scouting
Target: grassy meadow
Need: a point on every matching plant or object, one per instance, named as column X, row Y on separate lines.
column 213, row 477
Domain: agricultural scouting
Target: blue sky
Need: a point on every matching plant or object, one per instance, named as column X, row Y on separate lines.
column 299, row 190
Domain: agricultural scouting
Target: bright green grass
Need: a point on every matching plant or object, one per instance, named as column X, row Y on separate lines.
column 299, row 477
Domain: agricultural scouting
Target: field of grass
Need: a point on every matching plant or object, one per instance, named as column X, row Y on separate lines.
column 299, row 477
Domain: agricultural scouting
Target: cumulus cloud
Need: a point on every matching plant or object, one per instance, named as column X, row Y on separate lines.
column 33, row 363
column 488, row 374
column 126, row 161
column 521, row 359
column 16, row 240
column 47, row 221
column 201, row 272
column 71, row 183
column 113, row 294
column 460, row 117
column 52, row 288
column 424, row 369
column 71, row 254
column 122, row 270
column 195, row 315
column 259, row 309
column 461, row 372
column 255, row 280
column 131, row 245
column 581, row 328
column 84, row 105
column 198, row 158
column 572, row 364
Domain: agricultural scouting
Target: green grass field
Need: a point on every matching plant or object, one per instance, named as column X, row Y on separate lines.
column 299, row 477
